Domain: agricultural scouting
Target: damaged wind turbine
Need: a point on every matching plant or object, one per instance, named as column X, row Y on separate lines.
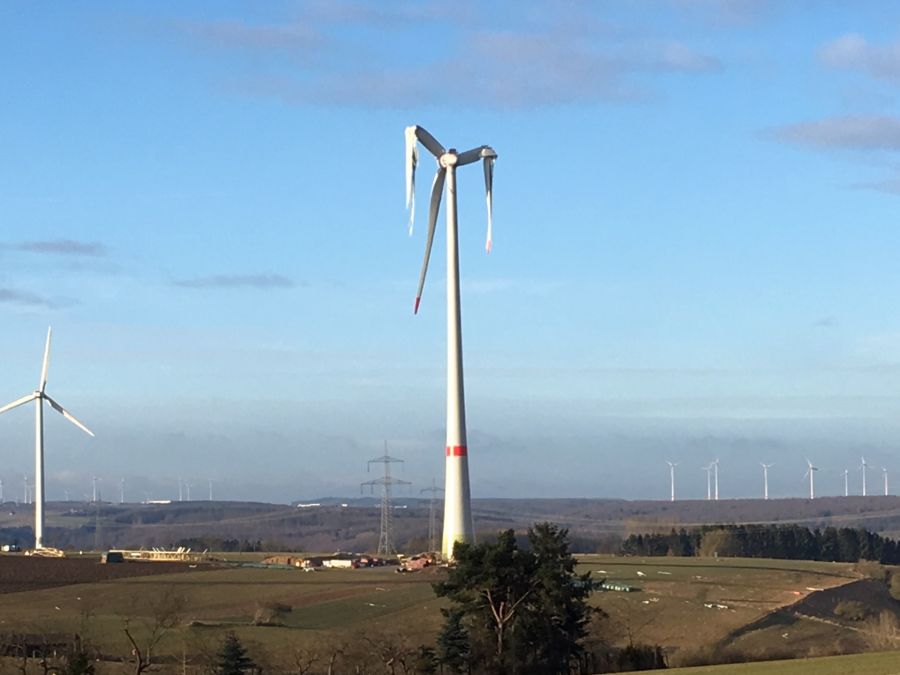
column 458, row 525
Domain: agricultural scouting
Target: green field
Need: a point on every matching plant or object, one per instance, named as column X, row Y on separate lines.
column 880, row 663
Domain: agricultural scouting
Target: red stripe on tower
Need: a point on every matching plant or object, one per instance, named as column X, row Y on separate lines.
column 457, row 451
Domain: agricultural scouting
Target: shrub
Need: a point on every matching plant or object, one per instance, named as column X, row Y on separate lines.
column 895, row 585
column 852, row 610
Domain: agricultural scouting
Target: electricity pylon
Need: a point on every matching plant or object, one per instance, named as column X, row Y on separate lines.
column 386, row 536
column 432, row 530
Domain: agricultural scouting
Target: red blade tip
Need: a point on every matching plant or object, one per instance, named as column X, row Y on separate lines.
column 487, row 247
column 416, row 308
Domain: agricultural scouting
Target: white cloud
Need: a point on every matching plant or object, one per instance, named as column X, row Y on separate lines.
column 854, row 52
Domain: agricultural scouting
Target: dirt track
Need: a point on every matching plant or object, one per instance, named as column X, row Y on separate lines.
column 19, row 573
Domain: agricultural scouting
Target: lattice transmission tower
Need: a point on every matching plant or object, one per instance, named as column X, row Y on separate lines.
column 432, row 523
column 387, row 481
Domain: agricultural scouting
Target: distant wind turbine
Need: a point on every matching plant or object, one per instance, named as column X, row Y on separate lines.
column 715, row 466
column 708, row 469
column 810, row 471
column 863, row 468
column 210, row 488
column 39, row 396
column 672, row 477
column 458, row 523
column 846, row 483
column 765, row 468
column 884, row 471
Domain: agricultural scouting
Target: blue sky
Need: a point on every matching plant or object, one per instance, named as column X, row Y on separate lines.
column 695, row 242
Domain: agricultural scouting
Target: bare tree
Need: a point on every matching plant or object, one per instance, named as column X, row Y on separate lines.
column 145, row 634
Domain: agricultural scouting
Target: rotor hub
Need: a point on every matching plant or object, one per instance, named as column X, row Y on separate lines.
column 449, row 158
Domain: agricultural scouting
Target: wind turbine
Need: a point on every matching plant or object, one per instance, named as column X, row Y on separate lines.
column 766, row 468
column 39, row 396
column 458, row 524
column 884, row 471
column 672, row 466
column 708, row 470
column 863, row 467
column 715, row 466
column 846, row 482
column 810, row 471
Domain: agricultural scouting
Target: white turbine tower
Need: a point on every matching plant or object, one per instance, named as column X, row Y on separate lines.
column 39, row 396
column 884, row 471
column 458, row 524
column 863, row 468
column 846, row 482
column 708, row 469
column 766, row 468
column 715, row 466
column 810, row 471
column 672, row 466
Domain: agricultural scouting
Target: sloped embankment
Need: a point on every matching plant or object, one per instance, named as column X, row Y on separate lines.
column 816, row 624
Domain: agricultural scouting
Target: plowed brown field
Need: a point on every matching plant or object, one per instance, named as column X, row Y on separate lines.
column 20, row 573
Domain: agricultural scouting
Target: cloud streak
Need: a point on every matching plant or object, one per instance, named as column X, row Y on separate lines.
column 853, row 133
column 293, row 38
column 63, row 247
column 12, row 296
column 538, row 62
column 496, row 70
column 229, row 281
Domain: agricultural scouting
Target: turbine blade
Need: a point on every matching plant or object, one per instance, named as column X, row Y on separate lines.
column 412, row 160
column 17, row 403
column 470, row 156
column 437, row 190
column 429, row 141
column 65, row 413
column 489, row 198
column 46, row 365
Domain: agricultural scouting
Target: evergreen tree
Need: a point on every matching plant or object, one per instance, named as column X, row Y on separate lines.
column 515, row 610
column 233, row 659
column 453, row 642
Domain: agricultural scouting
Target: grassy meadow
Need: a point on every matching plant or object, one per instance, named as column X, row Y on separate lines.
column 683, row 603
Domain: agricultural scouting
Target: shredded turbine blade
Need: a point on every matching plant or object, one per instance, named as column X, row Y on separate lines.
column 488, row 193
column 429, row 142
column 412, row 160
column 436, row 190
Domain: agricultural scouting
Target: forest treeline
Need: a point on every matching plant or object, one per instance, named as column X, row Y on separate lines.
column 787, row 542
